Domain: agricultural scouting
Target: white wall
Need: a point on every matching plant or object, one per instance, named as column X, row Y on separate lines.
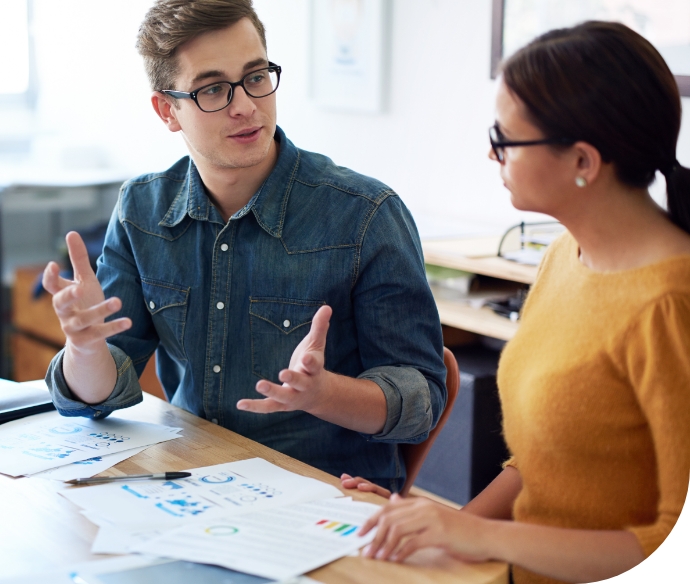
column 430, row 146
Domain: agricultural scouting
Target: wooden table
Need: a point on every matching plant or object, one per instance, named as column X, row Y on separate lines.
column 40, row 530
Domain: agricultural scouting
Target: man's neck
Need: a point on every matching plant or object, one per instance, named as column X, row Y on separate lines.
column 230, row 189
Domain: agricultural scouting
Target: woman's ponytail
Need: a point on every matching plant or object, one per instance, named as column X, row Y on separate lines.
column 678, row 193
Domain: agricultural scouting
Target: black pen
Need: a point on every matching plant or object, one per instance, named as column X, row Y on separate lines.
column 162, row 476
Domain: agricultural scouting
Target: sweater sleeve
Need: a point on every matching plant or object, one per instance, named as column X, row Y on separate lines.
column 658, row 361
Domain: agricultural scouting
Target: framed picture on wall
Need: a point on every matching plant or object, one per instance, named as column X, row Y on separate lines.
column 348, row 54
column 664, row 23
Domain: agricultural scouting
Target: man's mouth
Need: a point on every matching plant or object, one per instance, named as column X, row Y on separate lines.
column 246, row 133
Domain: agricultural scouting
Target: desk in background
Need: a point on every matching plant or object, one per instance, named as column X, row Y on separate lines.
column 42, row 531
column 478, row 256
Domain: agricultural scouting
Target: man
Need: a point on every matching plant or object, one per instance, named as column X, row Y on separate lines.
column 231, row 263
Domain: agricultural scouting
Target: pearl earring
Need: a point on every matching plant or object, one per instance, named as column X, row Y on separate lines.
column 581, row 181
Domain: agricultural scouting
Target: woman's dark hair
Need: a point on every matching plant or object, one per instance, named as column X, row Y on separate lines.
column 604, row 84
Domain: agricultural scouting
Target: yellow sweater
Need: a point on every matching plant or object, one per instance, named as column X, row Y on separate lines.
column 595, row 390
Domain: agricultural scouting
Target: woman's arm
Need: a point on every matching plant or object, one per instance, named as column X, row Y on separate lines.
column 496, row 500
column 571, row 555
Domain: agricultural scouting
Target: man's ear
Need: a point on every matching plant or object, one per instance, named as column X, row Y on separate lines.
column 166, row 110
column 588, row 161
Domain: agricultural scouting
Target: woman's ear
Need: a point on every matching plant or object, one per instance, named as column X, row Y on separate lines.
column 166, row 110
column 588, row 164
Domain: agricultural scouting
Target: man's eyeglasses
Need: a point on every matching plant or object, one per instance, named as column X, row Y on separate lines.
column 216, row 96
column 499, row 143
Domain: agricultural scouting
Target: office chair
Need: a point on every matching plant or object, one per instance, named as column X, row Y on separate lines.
column 414, row 454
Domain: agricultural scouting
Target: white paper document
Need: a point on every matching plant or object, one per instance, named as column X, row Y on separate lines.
column 50, row 441
column 87, row 468
column 280, row 543
column 134, row 511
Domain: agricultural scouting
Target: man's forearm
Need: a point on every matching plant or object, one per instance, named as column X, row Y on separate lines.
column 356, row 404
column 90, row 376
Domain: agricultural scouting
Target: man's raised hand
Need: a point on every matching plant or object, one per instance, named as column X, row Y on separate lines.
column 80, row 304
column 305, row 382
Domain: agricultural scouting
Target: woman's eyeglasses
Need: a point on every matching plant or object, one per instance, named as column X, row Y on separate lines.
column 499, row 143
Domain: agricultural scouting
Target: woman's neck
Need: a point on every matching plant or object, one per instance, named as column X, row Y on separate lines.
column 623, row 229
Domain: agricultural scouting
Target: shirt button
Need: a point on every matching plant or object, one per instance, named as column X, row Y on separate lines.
column 214, row 421
column 216, row 368
column 152, row 305
column 220, row 306
column 224, row 247
column 286, row 323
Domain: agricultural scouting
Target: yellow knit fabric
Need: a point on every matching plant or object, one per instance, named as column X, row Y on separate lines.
column 595, row 390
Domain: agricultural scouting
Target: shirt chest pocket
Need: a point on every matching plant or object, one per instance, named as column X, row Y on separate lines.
column 277, row 327
column 167, row 304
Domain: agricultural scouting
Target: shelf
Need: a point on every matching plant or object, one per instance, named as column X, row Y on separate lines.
column 478, row 257
column 482, row 321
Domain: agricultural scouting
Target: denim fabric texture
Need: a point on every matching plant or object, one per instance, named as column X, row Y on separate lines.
column 225, row 304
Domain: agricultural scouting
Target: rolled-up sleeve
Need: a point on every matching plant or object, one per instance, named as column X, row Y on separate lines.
column 126, row 393
column 408, row 403
column 398, row 327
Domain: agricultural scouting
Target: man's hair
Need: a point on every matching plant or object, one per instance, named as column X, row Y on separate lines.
column 171, row 23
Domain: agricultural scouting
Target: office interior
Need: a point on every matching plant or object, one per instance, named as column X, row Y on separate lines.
column 85, row 124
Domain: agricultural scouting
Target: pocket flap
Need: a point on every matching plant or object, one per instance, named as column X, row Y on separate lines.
column 161, row 295
column 286, row 314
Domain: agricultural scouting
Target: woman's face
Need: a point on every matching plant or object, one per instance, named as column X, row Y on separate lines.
column 538, row 177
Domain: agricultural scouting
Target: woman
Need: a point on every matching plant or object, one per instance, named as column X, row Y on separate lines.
column 595, row 386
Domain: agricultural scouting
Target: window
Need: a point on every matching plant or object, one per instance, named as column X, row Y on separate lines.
column 17, row 84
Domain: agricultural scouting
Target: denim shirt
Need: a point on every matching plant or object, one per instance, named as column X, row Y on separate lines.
column 224, row 304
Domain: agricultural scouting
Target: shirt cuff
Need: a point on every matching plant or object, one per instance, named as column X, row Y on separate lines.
column 126, row 393
column 409, row 417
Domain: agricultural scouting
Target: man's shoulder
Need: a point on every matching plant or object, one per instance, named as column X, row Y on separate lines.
column 149, row 197
column 161, row 184
column 317, row 171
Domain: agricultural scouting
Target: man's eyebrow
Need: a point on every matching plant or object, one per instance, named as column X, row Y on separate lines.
column 217, row 73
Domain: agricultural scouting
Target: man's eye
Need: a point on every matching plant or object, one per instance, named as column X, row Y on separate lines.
column 256, row 78
column 213, row 90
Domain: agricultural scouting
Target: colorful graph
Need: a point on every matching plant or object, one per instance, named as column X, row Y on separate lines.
column 336, row 527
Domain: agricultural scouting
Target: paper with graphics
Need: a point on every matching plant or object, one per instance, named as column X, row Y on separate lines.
column 137, row 508
column 51, row 441
column 281, row 543
column 87, row 468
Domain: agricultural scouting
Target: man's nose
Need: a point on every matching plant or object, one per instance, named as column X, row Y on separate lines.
column 241, row 104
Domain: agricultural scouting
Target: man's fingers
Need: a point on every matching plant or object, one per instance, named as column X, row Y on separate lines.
column 78, row 256
column 52, row 281
column 93, row 316
column 260, row 406
column 296, row 380
column 84, row 338
column 319, row 328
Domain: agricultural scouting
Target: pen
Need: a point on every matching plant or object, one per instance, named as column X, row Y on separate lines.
column 164, row 476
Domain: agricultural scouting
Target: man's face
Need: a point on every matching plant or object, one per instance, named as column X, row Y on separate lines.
column 241, row 135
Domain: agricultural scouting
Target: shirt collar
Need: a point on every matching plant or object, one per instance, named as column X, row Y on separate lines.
column 268, row 204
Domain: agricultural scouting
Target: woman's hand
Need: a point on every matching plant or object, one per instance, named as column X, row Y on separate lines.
column 406, row 525
column 363, row 485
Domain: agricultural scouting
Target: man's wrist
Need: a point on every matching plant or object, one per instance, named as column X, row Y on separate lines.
column 324, row 403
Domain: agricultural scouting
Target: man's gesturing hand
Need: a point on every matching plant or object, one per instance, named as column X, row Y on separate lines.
column 80, row 304
column 305, row 382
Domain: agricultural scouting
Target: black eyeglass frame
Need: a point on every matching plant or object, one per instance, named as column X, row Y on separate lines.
column 231, row 92
column 496, row 144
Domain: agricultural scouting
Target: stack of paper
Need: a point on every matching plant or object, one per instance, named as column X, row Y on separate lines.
column 285, row 524
column 47, row 441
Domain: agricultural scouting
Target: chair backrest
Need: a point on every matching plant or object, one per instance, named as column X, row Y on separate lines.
column 414, row 454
